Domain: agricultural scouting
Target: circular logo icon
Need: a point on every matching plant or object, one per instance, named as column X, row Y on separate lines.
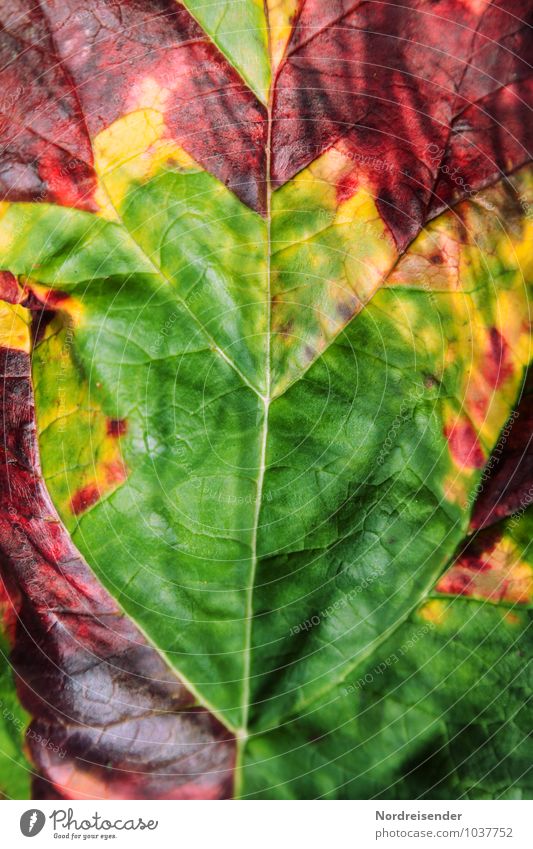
column 32, row 822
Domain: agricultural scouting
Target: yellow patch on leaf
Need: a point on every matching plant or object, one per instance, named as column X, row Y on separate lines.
column 281, row 14
column 14, row 327
column 80, row 445
column 331, row 252
column 433, row 611
column 132, row 150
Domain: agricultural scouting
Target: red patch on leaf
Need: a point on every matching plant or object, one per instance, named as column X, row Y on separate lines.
column 43, row 130
column 116, row 427
column 347, row 186
column 443, row 120
column 113, row 474
column 74, row 81
column 43, row 304
column 66, row 182
column 10, row 290
column 84, row 498
column 498, row 365
column 464, row 445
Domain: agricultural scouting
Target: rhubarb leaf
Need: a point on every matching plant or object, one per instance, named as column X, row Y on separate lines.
column 264, row 323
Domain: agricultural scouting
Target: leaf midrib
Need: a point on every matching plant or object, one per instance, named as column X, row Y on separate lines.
column 241, row 731
column 266, row 399
column 247, row 657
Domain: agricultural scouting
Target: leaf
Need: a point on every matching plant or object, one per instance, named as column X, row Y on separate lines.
column 277, row 331
column 15, row 771
column 441, row 711
column 506, row 485
column 240, row 31
column 98, row 692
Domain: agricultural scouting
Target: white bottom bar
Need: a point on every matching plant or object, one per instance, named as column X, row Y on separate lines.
column 269, row 824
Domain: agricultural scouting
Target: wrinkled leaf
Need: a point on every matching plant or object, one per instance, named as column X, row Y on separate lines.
column 271, row 278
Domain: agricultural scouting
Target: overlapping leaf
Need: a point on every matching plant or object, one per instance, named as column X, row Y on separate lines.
column 275, row 261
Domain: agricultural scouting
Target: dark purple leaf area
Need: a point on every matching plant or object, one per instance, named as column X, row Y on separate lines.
column 508, row 487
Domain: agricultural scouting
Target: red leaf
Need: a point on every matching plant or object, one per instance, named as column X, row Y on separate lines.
column 439, row 95
column 46, row 153
column 417, row 87
column 80, row 66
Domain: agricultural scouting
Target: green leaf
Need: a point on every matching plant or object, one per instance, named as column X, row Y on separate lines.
column 244, row 517
column 440, row 711
column 15, row 771
column 239, row 29
column 274, row 342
